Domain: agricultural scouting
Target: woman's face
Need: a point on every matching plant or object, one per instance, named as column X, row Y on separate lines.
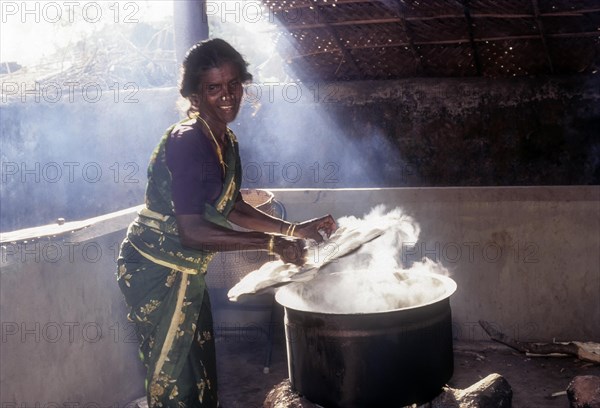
column 220, row 94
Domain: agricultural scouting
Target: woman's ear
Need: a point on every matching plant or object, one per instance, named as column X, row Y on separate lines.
column 195, row 100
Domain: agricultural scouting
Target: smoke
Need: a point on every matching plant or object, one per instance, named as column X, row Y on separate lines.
column 302, row 133
column 373, row 278
column 383, row 254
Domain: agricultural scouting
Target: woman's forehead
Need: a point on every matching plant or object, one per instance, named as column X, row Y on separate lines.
column 224, row 72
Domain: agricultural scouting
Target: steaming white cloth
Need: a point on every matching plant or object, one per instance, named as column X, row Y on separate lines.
column 351, row 234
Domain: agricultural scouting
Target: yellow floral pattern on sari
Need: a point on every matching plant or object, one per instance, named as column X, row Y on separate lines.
column 164, row 287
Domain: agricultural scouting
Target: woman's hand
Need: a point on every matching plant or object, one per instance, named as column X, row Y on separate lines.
column 311, row 229
column 290, row 249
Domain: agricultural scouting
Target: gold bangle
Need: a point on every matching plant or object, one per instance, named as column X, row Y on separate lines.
column 271, row 245
column 291, row 228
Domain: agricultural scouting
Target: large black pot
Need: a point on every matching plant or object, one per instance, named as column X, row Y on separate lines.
column 383, row 359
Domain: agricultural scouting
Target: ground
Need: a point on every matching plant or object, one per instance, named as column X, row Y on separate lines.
column 242, row 351
column 533, row 379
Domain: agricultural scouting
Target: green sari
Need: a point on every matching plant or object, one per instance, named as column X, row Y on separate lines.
column 163, row 284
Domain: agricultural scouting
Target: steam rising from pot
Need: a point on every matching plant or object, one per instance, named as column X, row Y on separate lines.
column 373, row 279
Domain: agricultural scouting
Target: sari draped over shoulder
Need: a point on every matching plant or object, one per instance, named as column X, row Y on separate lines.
column 163, row 284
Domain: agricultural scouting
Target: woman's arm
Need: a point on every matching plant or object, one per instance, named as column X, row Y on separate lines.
column 246, row 216
column 198, row 233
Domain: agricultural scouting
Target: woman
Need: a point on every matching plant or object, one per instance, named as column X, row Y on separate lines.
column 192, row 194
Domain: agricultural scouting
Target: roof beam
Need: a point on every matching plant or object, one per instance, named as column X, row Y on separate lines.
column 540, row 27
column 402, row 18
column 409, row 36
column 347, row 56
column 464, row 41
column 341, row 3
column 476, row 58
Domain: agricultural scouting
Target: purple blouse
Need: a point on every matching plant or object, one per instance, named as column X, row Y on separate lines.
column 197, row 176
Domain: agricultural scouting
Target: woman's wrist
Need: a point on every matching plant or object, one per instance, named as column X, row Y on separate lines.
column 287, row 228
column 291, row 228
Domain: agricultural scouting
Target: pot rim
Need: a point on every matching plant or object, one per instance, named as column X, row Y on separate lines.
column 286, row 291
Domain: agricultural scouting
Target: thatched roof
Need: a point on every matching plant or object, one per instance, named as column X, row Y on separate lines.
column 390, row 39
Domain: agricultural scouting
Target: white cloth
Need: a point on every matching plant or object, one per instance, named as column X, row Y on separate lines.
column 342, row 242
column 352, row 234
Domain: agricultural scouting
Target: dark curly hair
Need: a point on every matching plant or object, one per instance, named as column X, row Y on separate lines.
column 206, row 55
